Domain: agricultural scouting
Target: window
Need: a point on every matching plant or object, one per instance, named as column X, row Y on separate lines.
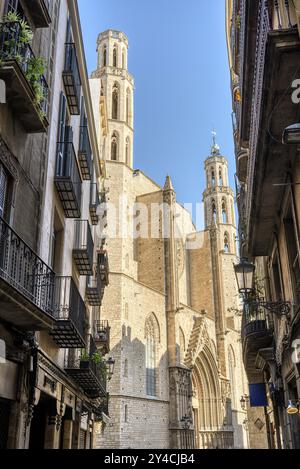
column 277, row 293
column 126, row 368
column 293, row 252
column 128, row 107
column 213, row 178
column 126, row 413
column 104, row 56
column 115, row 101
column 224, row 213
column 128, row 151
column 152, row 339
column 214, row 212
column 123, row 59
column 115, row 57
column 226, row 243
column 220, row 178
column 3, row 190
column 114, row 147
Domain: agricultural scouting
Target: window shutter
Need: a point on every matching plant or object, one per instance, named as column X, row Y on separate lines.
column 3, row 190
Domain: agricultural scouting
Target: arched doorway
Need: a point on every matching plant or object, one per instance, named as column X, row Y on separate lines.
column 207, row 402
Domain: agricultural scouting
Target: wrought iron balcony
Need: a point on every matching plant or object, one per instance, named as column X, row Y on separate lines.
column 26, row 95
column 102, row 336
column 101, row 408
column 89, row 372
column 68, row 180
column 83, row 249
column 93, row 288
column 104, row 268
column 85, row 154
column 94, row 203
column 71, row 78
column 70, row 315
column 26, row 284
column 257, row 334
column 39, row 12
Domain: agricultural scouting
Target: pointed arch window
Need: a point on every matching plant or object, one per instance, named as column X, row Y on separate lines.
column 214, row 211
column 104, row 56
column 220, row 178
column 152, row 341
column 128, row 151
column 213, row 178
column 115, row 57
column 128, row 106
column 115, row 102
column 226, row 243
column 224, row 213
column 114, row 147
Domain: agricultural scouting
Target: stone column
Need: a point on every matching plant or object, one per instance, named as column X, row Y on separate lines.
column 68, row 432
column 52, row 433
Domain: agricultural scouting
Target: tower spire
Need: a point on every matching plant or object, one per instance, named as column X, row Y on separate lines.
column 215, row 149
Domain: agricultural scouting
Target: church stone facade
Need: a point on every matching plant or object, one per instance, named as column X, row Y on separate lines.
column 172, row 302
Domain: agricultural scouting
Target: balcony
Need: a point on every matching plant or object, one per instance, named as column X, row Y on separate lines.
column 104, row 268
column 93, row 288
column 215, row 440
column 257, row 334
column 89, row 372
column 271, row 54
column 26, row 284
column 102, row 408
column 26, row 95
column 94, row 203
column 68, row 180
column 70, row 315
column 71, row 78
column 83, row 249
column 85, row 154
column 39, row 12
column 102, row 336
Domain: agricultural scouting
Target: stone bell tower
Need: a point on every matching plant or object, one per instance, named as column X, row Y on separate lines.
column 218, row 199
column 117, row 85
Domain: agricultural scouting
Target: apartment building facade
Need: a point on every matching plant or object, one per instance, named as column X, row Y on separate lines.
column 264, row 52
column 53, row 266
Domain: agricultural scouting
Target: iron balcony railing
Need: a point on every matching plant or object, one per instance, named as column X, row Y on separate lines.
column 12, row 48
column 93, row 287
column 255, row 319
column 94, row 203
column 68, row 179
column 83, row 249
column 85, row 154
column 89, row 371
column 69, row 313
column 71, row 77
column 22, row 269
column 102, row 335
column 104, row 267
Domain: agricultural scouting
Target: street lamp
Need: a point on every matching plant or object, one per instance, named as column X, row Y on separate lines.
column 293, row 408
column 244, row 272
column 110, row 363
column 291, row 135
column 244, row 401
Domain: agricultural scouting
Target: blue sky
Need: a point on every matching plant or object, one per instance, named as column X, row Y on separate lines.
column 178, row 56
